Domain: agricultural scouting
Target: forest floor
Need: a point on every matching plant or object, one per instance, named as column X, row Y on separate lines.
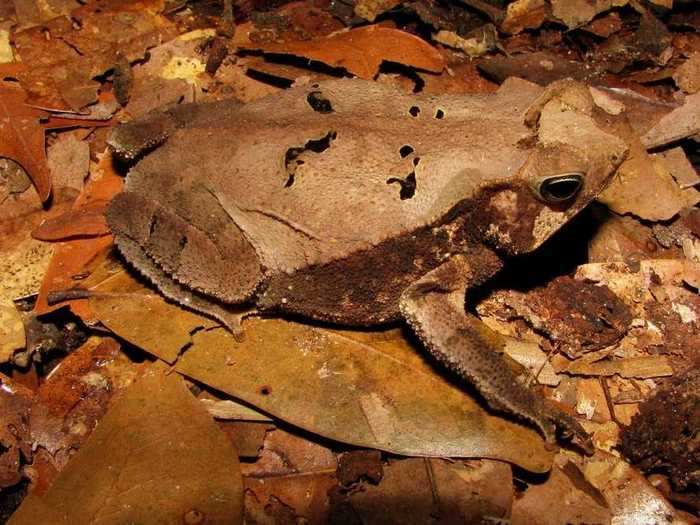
column 119, row 406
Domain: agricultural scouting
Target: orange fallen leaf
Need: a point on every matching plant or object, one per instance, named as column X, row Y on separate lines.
column 157, row 456
column 361, row 51
column 74, row 260
column 23, row 137
column 83, row 222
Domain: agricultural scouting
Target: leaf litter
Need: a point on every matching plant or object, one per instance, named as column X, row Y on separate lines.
column 322, row 418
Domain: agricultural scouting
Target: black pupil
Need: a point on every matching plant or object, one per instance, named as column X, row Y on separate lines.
column 560, row 190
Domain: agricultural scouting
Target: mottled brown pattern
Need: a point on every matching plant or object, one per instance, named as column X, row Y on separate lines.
column 365, row 287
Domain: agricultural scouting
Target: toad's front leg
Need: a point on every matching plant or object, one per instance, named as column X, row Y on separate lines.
column 434, row 306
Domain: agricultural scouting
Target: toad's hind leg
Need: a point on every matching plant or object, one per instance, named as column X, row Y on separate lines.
column 434, row 307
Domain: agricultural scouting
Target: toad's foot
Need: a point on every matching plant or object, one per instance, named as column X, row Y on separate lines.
column 434, row 307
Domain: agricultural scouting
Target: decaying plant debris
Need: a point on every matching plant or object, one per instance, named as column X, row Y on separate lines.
column 119, row 406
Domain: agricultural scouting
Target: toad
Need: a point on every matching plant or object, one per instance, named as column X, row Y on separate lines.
column 349, row 202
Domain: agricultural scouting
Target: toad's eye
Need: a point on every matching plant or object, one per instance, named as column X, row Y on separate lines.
column 558, row 188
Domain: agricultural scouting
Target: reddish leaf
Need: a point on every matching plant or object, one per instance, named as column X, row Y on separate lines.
column 361, row 51
column 23, row 137
column 76, row 259
column 83, row 222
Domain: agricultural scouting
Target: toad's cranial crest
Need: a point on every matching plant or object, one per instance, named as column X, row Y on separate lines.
column 348, row 201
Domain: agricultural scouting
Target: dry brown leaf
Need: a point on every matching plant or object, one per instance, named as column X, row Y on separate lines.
column 15, row 407
column 74, row 260
column 687, row 75
column 576, row 315
column 60, row 69
column 591, row 401
column 523, row 14
column 31, row 12
column 639, row 367
column 69, row 160
column 285, row 453
column 678, row 124
column 23, row 137
column 575, row 13
column 358, row 465
column 173, row 330
column 71, row 401
column 630, row 497
column 237, row 82
column 662, row 295
column 291, row 478
column 678, row 165
column 171, row 74
column 296, row 498
column 643, row 186
column 566, row 497
column 383, row 411
column 361, row 51
column 327, row 382
column 475, row 44
column 157, row 456
column 226, row 409
column 604, row 26
column 625, row 238
column 467, row 492
column 541, row 67
column 460, row 78
column 12, row 337
column 247, row 436
column 84, row 222
column 532, row 358
column 23, row 262
column 370, row 9
column 257, row 65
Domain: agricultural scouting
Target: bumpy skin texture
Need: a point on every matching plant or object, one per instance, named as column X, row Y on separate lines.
column 339, row 201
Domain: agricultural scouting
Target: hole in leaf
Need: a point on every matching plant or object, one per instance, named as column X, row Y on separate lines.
column 152, row 225
column 405, row 151
column 182, row 242
column 319, row 103
column 416, row 161
column 408, row 185
column 265, row 390
column 292, row 157
column 414, row 111
column 439, row 114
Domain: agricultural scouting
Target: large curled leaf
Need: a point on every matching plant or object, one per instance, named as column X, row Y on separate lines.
column 369, row 390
